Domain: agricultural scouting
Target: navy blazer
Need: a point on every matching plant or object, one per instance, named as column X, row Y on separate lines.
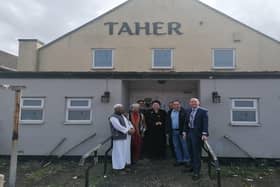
column 200, row 121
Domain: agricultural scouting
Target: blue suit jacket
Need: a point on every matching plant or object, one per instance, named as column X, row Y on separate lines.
column 200, row 121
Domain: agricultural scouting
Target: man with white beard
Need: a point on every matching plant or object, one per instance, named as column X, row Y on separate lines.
column 122, row 130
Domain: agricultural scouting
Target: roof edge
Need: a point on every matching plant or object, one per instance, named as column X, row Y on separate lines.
column 30, row 40
column 7, row 68
column 124, row 3
column 87, row 23
column 239, row 22
column 141, row 75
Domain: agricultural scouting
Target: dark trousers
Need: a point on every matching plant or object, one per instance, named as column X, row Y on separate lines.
column 195, row 146
column 171, row 146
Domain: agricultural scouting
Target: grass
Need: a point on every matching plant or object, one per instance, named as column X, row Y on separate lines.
column 62, row 173
column 250, row 175
column 39, row 174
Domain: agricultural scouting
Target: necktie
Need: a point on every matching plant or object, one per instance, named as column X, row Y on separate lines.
column 192, row 118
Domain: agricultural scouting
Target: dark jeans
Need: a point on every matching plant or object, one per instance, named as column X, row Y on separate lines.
column 195, row 146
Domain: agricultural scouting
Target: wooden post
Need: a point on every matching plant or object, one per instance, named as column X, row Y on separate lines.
column 14, row 154
column 2, row 180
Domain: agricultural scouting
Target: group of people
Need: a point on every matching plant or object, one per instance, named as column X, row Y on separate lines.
column 142, row 133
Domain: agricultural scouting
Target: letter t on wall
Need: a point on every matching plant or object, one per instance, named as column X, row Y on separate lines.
column 111, row 26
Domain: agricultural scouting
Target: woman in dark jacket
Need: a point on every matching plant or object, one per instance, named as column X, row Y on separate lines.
column 155, row 138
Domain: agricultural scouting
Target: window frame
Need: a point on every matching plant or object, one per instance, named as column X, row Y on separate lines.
column 102, row 67
column 224, row 67
column 41, row 107
column 163, row 67
column 255, row 108
column 78, row 108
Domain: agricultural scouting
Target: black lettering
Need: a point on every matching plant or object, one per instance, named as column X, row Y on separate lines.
column 157, row 26
column 125, row 28
column 174, row 27
column 111, row 27
column 138, row 28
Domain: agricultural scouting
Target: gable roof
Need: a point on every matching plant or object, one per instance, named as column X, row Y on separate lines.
column 8, row 61
column 128, row 1
column 86, row 24
column 239, row 22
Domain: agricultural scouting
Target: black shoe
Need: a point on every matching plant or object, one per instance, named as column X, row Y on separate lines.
column 119, row 172
column 188, row 165
column 195, row 177
column 176, row 164
column 187, row 170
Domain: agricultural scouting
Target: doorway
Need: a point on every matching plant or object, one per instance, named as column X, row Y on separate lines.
column 162, row 90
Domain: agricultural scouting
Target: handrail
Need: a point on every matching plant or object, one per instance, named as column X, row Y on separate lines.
column 212, row 161
column 95, row 150
column 239, row 147
column 77, row 145
column 49, row 159
column 89, row 153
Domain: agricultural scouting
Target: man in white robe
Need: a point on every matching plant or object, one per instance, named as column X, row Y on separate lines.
column 122, row 130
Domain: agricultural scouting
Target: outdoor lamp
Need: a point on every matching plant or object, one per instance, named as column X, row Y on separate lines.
column 105, row 98
column 216, row 98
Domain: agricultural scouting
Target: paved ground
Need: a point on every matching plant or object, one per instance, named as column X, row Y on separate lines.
column 67, row 173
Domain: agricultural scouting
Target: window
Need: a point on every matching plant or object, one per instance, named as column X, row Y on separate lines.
column 223, row 58
column 244, row 111
column 103, row 58
column 162, row 58
column 78, row 110
column 32, row 110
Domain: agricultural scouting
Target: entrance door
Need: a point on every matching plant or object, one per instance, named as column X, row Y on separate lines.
column 165, row 92
column 164, row 98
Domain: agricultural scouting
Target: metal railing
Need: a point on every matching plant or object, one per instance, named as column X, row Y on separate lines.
column 212, row 162
column 228, row 138
column 94, row 152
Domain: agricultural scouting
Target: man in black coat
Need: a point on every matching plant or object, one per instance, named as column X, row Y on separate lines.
column 197, row 132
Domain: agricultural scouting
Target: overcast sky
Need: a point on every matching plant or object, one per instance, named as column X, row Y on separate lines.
column 46, row 20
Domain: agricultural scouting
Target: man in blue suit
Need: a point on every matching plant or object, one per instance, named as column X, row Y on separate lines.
column 196, row 132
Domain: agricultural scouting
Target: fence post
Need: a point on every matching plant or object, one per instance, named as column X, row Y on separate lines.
column 2, row 180
column 14, row 154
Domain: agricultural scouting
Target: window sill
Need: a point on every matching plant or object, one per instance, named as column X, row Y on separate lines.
column 77, row 123
column 223, row 68
column 245, row 124
column 162, row 68
column 32, row 122
column 102, row 68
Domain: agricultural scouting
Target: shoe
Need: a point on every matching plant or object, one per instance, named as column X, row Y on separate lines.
column 119, row 172
column 195, row 177
column 187, row 170
column 187, row 165
column 176, row 164
column 128, row 169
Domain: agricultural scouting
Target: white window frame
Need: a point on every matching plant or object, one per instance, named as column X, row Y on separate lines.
column 224, row 67
column 41, row 107
column 254, row 108
column 77, row 108
column 102, row 67
column 163, row 67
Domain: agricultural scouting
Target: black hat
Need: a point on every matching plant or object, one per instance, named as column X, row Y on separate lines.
column 156, row 101
column 140, row 100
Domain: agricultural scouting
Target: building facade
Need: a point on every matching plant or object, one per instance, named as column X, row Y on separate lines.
column 144, row 49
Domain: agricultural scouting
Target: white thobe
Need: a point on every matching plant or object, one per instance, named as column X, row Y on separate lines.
column 121, row 155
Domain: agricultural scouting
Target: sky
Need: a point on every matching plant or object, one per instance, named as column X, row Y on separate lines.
column 46, row 20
